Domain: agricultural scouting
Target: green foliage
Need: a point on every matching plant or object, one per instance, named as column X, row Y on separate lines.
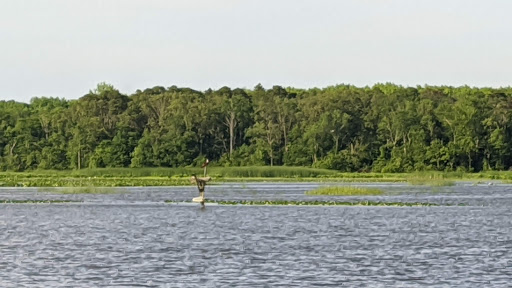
column 344, row 191
column 385, row 128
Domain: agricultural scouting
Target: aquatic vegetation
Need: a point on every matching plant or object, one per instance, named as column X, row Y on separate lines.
column 82, row 190
column 316, row 203
column 236, row 172
column 320, row 179
column 442, row 183
column 271, row 172
column 344, row 191
column 161, row 176
column 68, row 181
column 10, row 201
column 430, row 179
column 435, row 182
column 118, row 177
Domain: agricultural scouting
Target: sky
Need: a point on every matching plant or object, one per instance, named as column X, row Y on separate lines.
column 63, row 48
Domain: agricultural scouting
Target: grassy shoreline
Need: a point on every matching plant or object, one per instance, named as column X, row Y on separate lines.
column 129, row 177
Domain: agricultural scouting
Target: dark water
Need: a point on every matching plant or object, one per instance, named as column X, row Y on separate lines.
column 133, row 239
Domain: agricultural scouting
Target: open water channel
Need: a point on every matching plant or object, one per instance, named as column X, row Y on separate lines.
column 134, row 239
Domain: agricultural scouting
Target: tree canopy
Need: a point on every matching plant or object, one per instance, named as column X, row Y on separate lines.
column 383, row 128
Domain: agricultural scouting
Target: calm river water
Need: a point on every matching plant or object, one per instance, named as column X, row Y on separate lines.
column 133, row 239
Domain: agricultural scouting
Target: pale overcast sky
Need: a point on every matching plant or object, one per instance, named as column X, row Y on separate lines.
column 63, row 48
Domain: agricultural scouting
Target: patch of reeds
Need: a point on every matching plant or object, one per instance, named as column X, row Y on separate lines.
column 344, row 191
column 271, row 172
column 92, row 182
column 118, row 177
column 238, row 172
column 435, row 182
column 434, row 179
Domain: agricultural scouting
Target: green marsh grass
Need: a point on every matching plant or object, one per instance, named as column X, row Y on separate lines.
column 344, row 191
column 68, row 181
column 119, row 177
column 234, row 172
column 434, row 181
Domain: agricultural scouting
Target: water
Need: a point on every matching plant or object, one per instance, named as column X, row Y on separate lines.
column 133, row 239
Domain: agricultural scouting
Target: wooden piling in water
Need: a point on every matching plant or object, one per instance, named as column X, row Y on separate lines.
column 201, row 184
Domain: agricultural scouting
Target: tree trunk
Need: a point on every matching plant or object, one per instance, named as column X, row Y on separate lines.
column 285, row 139
column 11, row 151
column 405, row 145
column 231, row 123
column 231, row 138
column 314, row 154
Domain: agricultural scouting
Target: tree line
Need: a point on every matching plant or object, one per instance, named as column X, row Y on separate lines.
column 382, row 128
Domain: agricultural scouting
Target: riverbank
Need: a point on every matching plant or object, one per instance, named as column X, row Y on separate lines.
column 129, row 177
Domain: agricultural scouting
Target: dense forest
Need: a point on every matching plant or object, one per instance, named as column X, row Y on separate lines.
column 383, row 128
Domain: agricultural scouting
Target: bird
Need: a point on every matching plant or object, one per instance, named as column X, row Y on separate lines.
column 205, row 163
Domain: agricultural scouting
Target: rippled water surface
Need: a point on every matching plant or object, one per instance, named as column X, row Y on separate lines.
column 132, row 238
